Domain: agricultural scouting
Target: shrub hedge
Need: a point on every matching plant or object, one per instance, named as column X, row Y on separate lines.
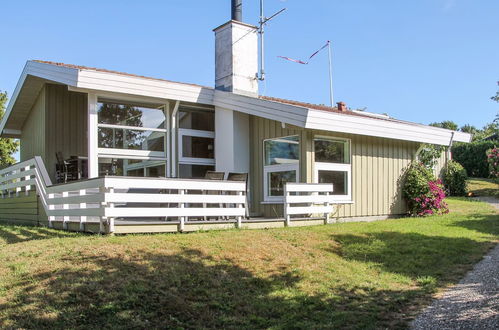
column 455, row 177
column 473, row 157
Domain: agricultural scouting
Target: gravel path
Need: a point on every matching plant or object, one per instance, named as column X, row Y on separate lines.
column 471, row 304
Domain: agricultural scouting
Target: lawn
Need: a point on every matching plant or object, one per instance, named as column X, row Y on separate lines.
column 483, row 187
column 350, row 275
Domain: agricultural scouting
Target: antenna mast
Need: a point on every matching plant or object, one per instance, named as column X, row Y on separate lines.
column 263, row 20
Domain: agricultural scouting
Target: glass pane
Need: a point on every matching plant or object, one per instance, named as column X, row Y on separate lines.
column 129, row 115
column 134, row 139
column 285, row 150
column 194, row 171
column 277, row 180
column 203, row 120
column 339, row 179
column 331, row 151
column 132, row 167
column 198, row 147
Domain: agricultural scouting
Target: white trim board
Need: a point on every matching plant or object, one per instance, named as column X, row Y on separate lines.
column 161, row 91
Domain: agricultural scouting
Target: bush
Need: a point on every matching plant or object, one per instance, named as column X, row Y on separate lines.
column 493, row 160
column 473, row 157
column 424, row 194
column 454, row 177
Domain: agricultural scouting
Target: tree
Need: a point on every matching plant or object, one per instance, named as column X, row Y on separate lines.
column 496, row 98
column 7, row 146
column 447, row 124
column 468, row 129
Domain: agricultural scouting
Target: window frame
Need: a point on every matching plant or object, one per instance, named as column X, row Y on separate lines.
column 267, row 169
column 339, row 167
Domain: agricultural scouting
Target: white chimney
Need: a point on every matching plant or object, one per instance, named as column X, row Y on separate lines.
column 236, row 55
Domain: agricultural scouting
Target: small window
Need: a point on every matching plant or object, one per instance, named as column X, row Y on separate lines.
column 131, row 167
column 332, row 151
column 284, row 150
column 333, row 165
column 198, row 119
column 281, row 165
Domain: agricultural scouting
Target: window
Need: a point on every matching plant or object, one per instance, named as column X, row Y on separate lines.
column 131, row 139
column 333, row 165
column 131, row 167
column 281, row 165
column 196, row 141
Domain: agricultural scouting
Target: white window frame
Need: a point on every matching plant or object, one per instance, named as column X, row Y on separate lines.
column 323, row 166
column 267, row 169
column 193, row 160
column 134, row 153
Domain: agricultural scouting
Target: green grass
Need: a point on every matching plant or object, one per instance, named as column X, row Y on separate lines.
column 355, row 275
column 483, row 187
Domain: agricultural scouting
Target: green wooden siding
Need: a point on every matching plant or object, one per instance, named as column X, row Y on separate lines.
column 57, row 122
column 33, row 131
column 377, row 166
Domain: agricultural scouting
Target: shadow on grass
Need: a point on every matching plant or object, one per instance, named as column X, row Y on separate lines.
column 190, row 290
column 429, row 260
column 16, row 234
column 485, row 224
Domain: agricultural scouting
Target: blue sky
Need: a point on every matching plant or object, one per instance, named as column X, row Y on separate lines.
column 423, row 61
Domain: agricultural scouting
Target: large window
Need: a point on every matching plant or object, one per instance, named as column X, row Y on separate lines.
column 281, row 165
column 196, row 141
column 131, row 139
column 333, row 165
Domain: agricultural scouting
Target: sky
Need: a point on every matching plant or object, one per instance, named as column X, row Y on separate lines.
column 421, row 60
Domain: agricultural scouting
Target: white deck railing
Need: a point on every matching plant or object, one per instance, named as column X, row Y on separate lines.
column 103, row 200
column 308, row 199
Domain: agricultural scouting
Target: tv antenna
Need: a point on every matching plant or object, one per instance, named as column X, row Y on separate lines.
column 263, row 20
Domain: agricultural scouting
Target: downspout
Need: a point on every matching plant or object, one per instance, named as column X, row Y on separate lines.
column 448, row 154
column 174, row 140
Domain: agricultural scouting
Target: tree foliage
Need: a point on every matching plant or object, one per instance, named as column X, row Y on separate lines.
column 7, row 146
column 447, row 124
column 473, row 157
column 429, row 155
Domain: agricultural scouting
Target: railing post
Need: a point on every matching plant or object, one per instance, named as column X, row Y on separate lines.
column 240, row 218
column 51, row 207
column 18, row 189
column 181, row 225
column 102, row 219
column 65, row 206
column 326, row 204
column 111, row 220
column 83, row 218
column 285, row 205
column 28, row 187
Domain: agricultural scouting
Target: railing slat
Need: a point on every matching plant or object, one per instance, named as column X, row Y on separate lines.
column 144, row 212
column 173, row 198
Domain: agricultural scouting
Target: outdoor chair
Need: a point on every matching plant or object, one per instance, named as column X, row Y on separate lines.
column 65, row 170
column 213, row 175
column 241, row 177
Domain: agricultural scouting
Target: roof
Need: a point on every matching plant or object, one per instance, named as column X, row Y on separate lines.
column 125, row 86
column 81, row 67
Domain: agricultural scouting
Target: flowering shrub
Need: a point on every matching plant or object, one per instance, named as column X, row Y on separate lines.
column 431, row 202
column 493, row 160
column 423, row 193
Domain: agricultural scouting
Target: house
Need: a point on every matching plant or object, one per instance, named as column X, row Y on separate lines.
column 137, row 133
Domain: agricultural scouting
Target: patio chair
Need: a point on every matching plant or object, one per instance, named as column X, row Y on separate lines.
column 241, row 177
column 213, row 175
column 64, row 170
